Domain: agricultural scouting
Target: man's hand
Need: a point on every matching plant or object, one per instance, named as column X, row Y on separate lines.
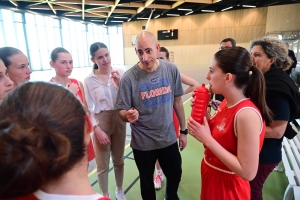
column 132, row 115
column 182, row 141
column 101, row 136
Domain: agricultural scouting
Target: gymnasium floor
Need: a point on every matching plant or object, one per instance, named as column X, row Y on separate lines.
column 189, row 188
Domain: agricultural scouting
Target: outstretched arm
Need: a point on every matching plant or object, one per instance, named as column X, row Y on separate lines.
column 193, row 84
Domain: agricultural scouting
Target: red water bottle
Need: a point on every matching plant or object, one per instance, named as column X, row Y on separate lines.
column 201, row 98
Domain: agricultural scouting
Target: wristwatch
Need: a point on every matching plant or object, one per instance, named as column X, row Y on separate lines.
column 94, row 127
column 185, row 132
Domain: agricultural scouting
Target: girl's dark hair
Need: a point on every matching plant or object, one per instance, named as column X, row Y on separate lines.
column 39, row 141
column 274, row 48
column 93, row 48
column 163, row 49
column 6, row 52
column 237, row 61
column 56, row 51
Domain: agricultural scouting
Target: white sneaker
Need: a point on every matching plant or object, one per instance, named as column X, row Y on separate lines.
column 157, row 181
column 120, row 195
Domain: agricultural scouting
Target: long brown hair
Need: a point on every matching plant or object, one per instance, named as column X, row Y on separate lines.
column 41, row 136
column 237, row 61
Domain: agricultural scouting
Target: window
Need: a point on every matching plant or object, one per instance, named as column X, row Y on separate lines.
column 37, row 35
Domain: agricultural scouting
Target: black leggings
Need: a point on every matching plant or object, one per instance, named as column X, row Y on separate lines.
column 170, row 161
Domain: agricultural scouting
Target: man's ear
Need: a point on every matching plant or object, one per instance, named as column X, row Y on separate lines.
column 158, row 47
column 135, row 51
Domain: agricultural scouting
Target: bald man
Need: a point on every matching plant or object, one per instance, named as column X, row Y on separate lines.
column 147, row 94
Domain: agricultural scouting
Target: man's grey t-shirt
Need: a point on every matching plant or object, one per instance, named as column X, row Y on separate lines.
column 152, row 94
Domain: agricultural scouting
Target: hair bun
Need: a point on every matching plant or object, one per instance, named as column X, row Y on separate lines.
column 25, row 157
column 17, row 162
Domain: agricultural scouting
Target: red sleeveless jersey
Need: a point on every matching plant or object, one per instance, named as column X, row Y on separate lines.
column 218, row 181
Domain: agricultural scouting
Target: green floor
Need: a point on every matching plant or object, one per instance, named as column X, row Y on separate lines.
column 189, row 188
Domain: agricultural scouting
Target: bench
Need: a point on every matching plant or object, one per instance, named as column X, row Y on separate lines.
column 291, row 162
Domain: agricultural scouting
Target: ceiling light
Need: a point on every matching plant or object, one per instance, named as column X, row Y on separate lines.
column 116, row 21
column 184, row 9
column 40, row 8
column 207, row 10
column 77, row 15
column 189, row 13
column 142, row 18
column 121, row 17
column 249, row 6
column 129, row 19
column 97, row 20
column 227, row 8
column 66, row 2
column 219, row 0
column 173, row 14
column 157, row 16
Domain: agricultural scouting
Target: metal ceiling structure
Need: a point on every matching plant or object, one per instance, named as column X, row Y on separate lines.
column 115, row 12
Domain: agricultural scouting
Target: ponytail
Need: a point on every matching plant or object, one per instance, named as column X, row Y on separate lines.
column 256, row 91
column 95, row 66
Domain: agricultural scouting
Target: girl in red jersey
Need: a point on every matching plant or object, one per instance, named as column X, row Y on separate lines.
column 62, row 62
column 42, row 146
column 233, row 137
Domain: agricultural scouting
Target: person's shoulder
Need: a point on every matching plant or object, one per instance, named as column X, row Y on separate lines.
column 132, row 70
column 89, row 76
column 120, row 70
column 167, row 64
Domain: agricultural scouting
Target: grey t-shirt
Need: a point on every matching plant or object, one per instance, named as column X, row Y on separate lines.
column 152, row 94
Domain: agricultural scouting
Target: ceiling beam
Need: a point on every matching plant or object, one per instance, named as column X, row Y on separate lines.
column 109, row 3
column 73, row 7
column 45, row 7
column 178, row 3
column 31, row 1
column 197, row 1
column 67, row 1
column 125, row 11
column 86, row 2
column 147, row 3
column 112, row 10
column 160, row 6
column 134, row 5
column 14, row 3
column 100, row 9
column 80, row 15
column 78, row 9
column 82, row 9
column 50, row 5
